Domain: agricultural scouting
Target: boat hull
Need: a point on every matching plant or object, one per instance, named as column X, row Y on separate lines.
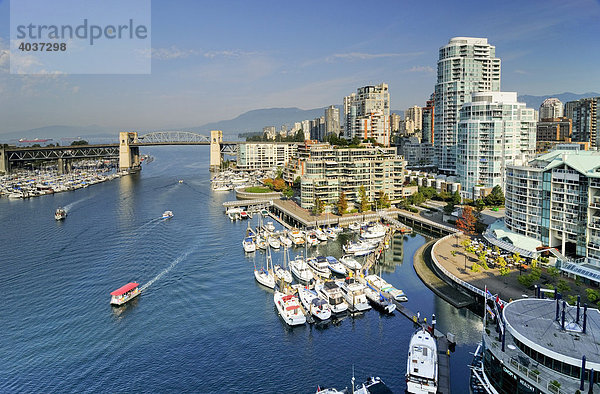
column 123, row 301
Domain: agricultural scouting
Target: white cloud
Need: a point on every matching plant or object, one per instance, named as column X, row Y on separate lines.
column 421, row 69
column 520, row 71
column 173, row 52
column 352, row 56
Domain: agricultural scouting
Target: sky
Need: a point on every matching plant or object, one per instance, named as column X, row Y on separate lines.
column 213, row 60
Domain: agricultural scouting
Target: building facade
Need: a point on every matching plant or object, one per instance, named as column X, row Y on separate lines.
column 415, row 153
column 465, row 65
column 428, row 121
column 327, row 171
column 415, row 113
column 586, row 120
column 494, row 131
column 367, row 114
column 264, row 155
column 551, row 108
column 553, row 131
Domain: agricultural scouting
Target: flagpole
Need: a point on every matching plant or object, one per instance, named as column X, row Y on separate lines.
column 485, row 308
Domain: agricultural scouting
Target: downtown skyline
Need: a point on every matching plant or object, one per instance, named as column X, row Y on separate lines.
column 210, row 64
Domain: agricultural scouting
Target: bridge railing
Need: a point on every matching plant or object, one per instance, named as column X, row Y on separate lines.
column 173, row 136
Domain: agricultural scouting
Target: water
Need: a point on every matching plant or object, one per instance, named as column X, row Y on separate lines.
column 202, row 323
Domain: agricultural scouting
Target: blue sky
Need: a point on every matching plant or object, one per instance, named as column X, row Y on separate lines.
column 215, row 60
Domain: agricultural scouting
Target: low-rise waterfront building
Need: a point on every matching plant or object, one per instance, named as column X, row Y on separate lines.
column 264, row 155
column 326, row 171
column 441, row 183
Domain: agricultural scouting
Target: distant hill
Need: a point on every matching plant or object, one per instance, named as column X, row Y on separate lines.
column 536, row 101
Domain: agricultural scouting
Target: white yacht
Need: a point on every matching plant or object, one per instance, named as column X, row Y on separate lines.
column 319, row 266
column 60, row 214
column 350, row 262
column 354, row 294
column 261, row 243
column 297, row 237
column 335, row 266
column 381, row 302
column 249, row 245
column 301, row 270
column 332, row 293
column 354, row 226
column 314, row 305
column 285, row 241
column 385, row 288
column 282, row 274
column 167, row 214
column 374, row 232
column 274, row 242
column 331, row 234
column 289, row 309
column 421, row 367
column 320, row 234
column 358, row 248
column 311, row 238
column 270, row 226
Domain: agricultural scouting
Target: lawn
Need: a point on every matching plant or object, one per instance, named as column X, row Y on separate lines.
column 257, row 189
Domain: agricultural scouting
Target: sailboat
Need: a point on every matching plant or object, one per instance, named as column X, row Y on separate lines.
column 265, row 276
column 282, row 273
column 301, row 270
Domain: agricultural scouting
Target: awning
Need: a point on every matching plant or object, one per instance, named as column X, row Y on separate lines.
column 584, row 270
column 125, row 289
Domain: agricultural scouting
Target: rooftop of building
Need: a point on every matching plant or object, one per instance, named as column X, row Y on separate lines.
column 587, row 162
column 532, row 321
column 469, row 40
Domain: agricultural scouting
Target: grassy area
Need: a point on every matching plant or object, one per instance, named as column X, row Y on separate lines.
column 257, row 189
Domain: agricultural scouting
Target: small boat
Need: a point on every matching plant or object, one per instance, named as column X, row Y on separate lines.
column 331, row 292
column 331, row 234
column 249, row 245
column 378, row 300
column 374, row 232
column 358, row 248
column 314, row 305
column 261, row 243
column 264, row 276
column 373, row 385
column 244, row 215
column 124, row 294
column 285, row 241
column 385, row 288
column 320, row 234
column 60, row 214
column 335, row 266
column 354, row 294
column 270, row 226
column 274, row 242
column 167, row 215
column 319, row 266
column 350, row 262
column 289, row 309
column 311, row 239
column 181, row 181
column 354, row 226
column 297, row 237
column 264, row 212
column 301, row 270
column 282, row 274
column 422, row 364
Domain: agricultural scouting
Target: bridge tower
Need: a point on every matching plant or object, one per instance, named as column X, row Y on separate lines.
column 216, row 138
column 4, row 166
column 129, row 156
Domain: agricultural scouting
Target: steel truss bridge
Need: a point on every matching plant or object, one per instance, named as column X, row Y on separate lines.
column 183, row 138
column 14, row 154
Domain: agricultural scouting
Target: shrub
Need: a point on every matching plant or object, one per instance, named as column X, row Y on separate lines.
column 563, row 287
column 526, row 280
column 475, row 267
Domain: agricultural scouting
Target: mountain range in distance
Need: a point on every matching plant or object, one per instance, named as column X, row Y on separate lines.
column 249, row 122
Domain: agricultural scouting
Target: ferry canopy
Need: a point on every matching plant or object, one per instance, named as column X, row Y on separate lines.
column 124, row 289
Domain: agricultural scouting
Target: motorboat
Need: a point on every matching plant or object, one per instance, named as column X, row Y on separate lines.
column 270, row 226
column 264, row 276
column 234, row 213
column 301, row 271
column 285, row 241
column 297, row 237
column 385, row 288
column 331, row 292
column 314, row 305
column 282, row 274
column 378, row 300
column 60, row 214
column 261, row 243
column 350, row 262
column 289, row 308
column 354, row 294
column 354, row 226
column 311, row 238
column 249, row 245
column 358, row 248
column 125, row 294
column 372, row 385
column 331, row 234
column 422, row 364
column 274, row 242
column 320, row 234
column 374, row 232
column 244, row 215
column 167, row 215
column 335, row 266
column 264, row 212
column 319, row 266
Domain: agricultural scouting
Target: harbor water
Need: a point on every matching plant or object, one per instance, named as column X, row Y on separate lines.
column 202, row 323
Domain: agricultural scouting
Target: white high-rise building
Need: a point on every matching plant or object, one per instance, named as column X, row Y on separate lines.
column 551, row 108
column 415, row 113
column 494, row 131
column 465, row 65
column 332, row 120
column 367, row 114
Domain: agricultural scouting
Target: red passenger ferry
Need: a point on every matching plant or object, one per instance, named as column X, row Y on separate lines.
column 125, row 293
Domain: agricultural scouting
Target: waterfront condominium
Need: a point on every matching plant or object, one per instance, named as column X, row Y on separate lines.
column 586, row 120
column 494, row 130
column 264, row 155
column 326, row 171
column 465, row 65
column 367, row 114
column 555, row 200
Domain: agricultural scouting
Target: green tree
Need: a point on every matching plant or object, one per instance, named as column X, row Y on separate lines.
column 342, row 204
column 563, row 287
column 496, row 197
column 428, row 192
column 503, row 268
column 479, row 206
column 455, row 199
column 526, row 280
column 465, row 243
column 518, row 259
column 79, row 142
column 297, row 181
column 318, row 206
column 288, row 192
column 383, row 201
column 363, row 200
column 592, row 295
column 449, row 208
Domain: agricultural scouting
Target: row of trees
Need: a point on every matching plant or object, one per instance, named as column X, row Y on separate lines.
column 364, row 204
column 298, row 137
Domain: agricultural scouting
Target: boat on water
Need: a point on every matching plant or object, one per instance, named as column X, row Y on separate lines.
column 311, row 238
column 60, row 214
column 124, row 294
column 244, row 215
column 358, row 248
column 297, row 237
column 335, row 266
column 331, row 234
column 301, row 270
column 289, row 308
column 354, row 226
column 270, row 226
column 320, row 234
column 422, row 364
column 350, row 262
column 265, row 276
column 378, row 300
column 264, row 213
column 285, row 241
column 319, row 266
column 331, row 292
column 374, row 232
column 385, row 288
column 354, row 294
column 261, row 243
column 249, row 245
column 167, row 215
column 313, row 304
column 282, row 274
column 371, row 386
column 274, row 242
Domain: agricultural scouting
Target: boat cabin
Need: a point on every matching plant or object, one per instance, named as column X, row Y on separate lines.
column 124, row 293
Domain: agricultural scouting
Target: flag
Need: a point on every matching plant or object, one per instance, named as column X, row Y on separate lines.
column 497, row 299
column 487, row 307
column 489, row 294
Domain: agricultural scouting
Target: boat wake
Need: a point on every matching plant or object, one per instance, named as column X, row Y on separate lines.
column 162, row 273
column 70, row 206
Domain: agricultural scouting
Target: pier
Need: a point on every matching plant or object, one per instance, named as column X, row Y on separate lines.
column 414, row 220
